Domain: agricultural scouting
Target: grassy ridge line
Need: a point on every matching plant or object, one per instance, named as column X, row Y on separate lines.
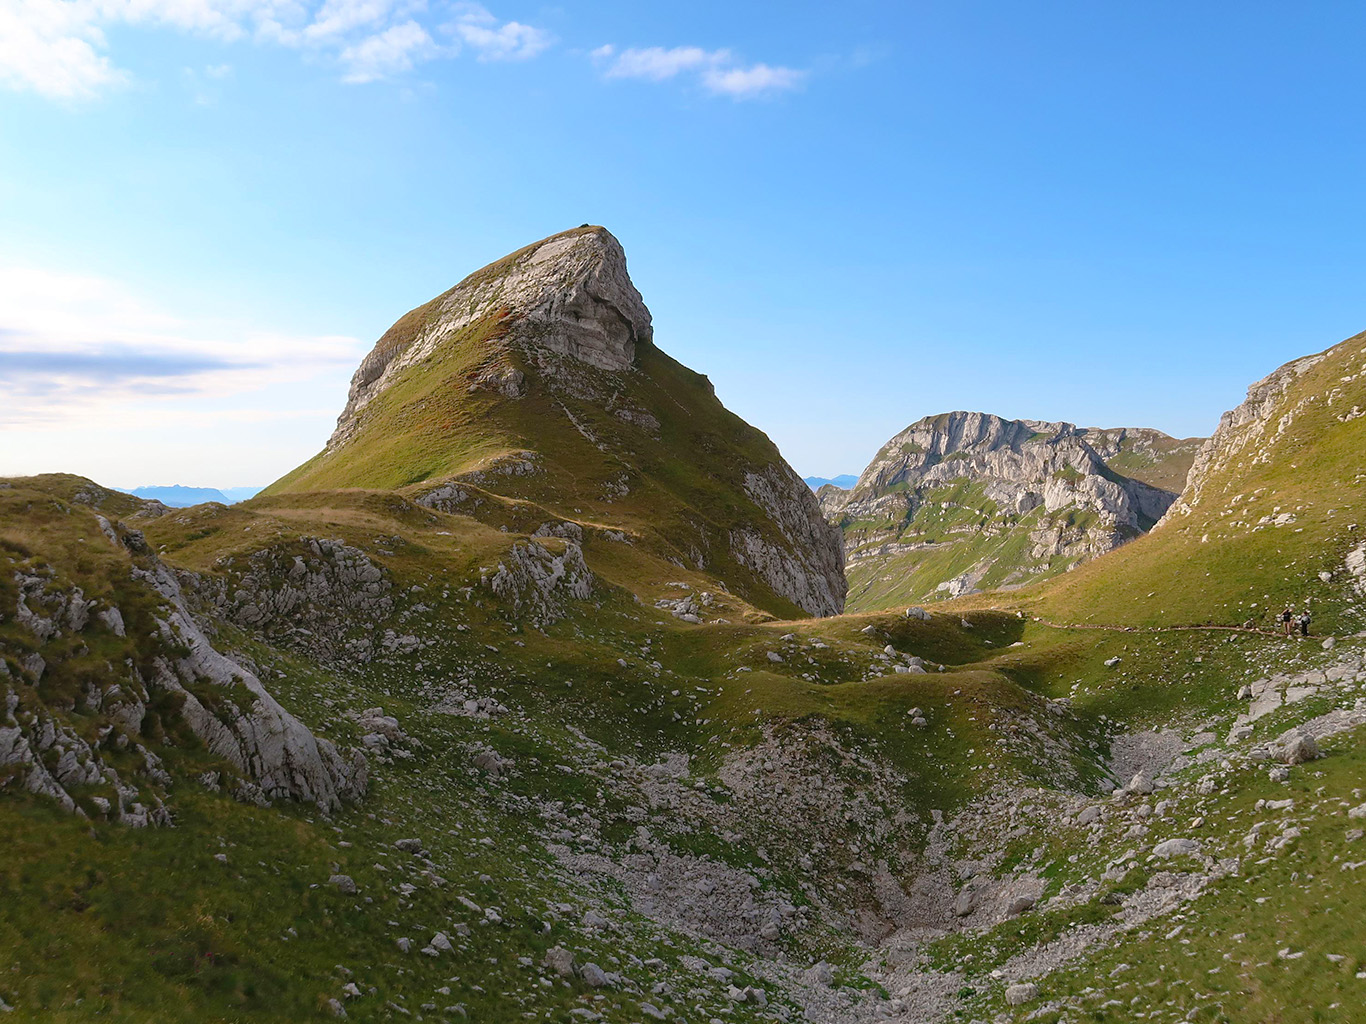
column 1227, row 561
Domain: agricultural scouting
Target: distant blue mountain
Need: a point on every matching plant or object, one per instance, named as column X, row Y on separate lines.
column 844, row 482
column 235, row 494
column 183, row 497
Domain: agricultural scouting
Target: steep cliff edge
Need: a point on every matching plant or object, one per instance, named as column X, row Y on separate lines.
column 535, row 382
column 965, row 501
column 1272, row 513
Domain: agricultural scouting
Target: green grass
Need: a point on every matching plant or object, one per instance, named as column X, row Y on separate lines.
column 684, row 483
column 1225, row 963
column 1223, row 564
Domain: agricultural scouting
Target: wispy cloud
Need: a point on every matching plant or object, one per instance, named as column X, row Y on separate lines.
column 336, row 18
column 717, row 71
column 655, row 63
column 386, row 53
column 59, row 48
column 755, row 80
column 77, row 349
column 112, row 365
column 511, row 40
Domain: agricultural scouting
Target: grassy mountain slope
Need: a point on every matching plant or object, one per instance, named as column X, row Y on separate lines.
column 160, row 926
column 608, row 811
column 649, row 451
column 1279, row 505
column 804, row 774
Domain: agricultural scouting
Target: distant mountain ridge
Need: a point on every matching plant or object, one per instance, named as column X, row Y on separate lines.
column 180, row 496
column 844, row 481
column 968, row 501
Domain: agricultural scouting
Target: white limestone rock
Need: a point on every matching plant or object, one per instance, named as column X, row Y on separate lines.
column 1022, row 466
column 569, row 294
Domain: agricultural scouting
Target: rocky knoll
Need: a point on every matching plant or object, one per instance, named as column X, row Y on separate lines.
column 964, row 500
column 82, row 729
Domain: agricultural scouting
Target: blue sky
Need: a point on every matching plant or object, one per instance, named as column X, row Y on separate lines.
column 1115, row 214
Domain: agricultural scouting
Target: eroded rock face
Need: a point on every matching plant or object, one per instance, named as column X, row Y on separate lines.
column 1024, row 464
column 536, row 581
column 1021, row 467
column 271, row 753
column 325, row 585
column 1243, row 430
column 1356, row 565
column 569, row 294
column 809, row 569
column 265, row 742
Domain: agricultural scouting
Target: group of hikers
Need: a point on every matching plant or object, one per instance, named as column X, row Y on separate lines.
column 1290, row 621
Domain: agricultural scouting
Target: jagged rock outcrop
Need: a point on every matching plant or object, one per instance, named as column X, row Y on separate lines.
column 568, row 294
column 1243, row 427
column 317, row 582
column 536, row 581
column 1018, row 499
column 268, row 745
column 809, row 569
column 169, row 677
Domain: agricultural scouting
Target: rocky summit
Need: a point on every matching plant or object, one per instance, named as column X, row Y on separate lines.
column 966, row 501
column 568, row 294
column 532, row 696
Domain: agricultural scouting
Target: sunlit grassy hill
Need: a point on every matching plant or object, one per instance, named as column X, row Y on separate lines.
column 1275, row 506
column 506, row 707
column 493, row 411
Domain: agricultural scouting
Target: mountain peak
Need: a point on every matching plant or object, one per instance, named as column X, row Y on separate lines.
column 966, row 500
column 532, row 394
column 568, row 294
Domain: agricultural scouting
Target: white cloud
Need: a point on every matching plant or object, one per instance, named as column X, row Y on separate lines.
column 512, row 40
column 655, row 63
column 58, row 48
column 50, row 47
column 337, row 17
column 79, row 349
column 756, row 80
column 717, row 70
column 389, row 52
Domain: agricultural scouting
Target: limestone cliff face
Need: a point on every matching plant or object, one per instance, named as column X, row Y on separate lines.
column 1245, row 431
column 809, row 569
column 1018, row 499
column 568, row 294
column 1024, row 464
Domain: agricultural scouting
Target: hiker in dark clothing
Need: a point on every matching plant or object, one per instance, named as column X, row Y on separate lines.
column 1304, row 622
column 1288, row 619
